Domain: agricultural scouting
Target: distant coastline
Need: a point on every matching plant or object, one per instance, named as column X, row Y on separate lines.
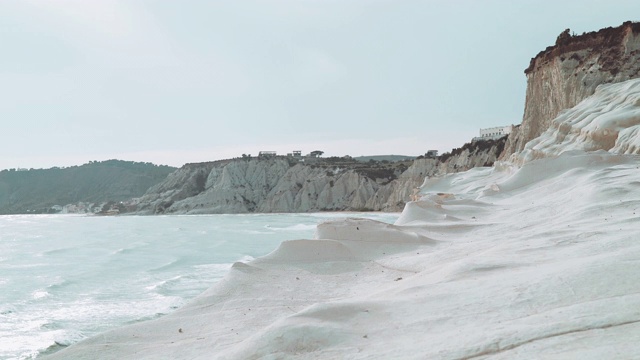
column 115, row 187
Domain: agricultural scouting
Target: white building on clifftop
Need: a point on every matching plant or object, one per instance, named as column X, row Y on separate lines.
column 494, row 133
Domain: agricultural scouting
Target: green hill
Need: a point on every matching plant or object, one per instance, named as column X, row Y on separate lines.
column 37, row 190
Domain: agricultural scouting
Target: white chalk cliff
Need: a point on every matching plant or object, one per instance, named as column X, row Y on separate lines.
column 609, row 121
column 276, row 185
column 561, row 76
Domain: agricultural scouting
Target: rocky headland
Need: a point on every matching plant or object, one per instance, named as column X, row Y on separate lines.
column 247, row 185
column 564, row 74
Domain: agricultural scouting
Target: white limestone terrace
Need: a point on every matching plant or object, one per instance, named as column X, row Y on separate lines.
column 535, row 258
column 609, row 120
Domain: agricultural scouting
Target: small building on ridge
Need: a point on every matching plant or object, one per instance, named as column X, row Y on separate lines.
column 494, row 133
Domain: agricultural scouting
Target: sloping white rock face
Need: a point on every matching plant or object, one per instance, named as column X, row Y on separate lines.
column 305, row 189
column 239, row 186
column 236, row 187
column 609, row 120
column 183, row 183
column 564, row 75
column 264, row 186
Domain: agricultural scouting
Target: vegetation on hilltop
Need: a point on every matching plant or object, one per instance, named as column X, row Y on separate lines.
column 607, row 42
column 475, row 147
column 384, row 157
column 37, row 190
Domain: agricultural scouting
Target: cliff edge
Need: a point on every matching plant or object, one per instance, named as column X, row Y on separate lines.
column 566, row 73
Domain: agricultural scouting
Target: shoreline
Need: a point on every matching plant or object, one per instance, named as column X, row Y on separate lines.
column 463, row 274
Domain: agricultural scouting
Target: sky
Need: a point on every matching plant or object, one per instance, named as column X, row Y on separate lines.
column 175, row 82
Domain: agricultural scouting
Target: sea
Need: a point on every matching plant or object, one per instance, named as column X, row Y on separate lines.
column 64, row 278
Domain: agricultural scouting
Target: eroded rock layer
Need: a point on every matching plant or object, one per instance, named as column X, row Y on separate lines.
column 566, row 73
column 277, row 185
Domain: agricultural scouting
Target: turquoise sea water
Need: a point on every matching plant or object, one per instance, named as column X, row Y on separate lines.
column 64, row 277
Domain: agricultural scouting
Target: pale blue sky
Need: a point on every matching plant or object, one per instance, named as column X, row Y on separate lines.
column 172, row 82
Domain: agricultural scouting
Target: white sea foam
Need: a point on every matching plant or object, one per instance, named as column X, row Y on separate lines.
column 296, row 227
